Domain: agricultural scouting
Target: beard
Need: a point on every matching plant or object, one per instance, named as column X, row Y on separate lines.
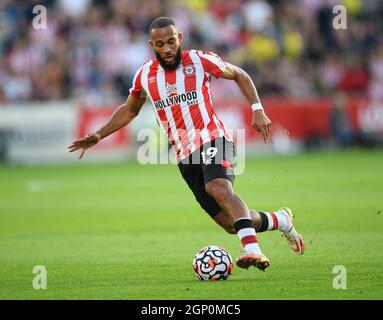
column 172, row 66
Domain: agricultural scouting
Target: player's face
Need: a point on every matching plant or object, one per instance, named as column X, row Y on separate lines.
column 166, row 43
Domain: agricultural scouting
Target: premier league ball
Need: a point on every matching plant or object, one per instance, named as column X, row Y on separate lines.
column 212, row 263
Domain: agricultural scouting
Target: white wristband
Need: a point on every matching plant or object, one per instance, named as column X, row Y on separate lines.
column 256, row 106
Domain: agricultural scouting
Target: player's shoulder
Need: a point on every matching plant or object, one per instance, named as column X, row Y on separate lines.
column 204, row 53
column 147, row 63
column 204, row 56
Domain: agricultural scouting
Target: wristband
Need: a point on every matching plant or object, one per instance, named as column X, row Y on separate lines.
column 99, row 133
column 256, row 106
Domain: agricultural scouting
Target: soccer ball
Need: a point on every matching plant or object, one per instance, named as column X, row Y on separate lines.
column 212, row 263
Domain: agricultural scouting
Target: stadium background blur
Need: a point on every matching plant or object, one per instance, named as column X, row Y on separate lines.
column 90, row 51
column 93, row 48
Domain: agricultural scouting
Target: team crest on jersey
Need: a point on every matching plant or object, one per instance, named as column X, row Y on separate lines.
column 189, row 70
column 171, row 89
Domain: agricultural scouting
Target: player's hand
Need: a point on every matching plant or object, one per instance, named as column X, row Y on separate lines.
column 85, row 143
column 261, row 123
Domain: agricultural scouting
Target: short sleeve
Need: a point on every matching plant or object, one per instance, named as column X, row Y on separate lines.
column 212, row 63
column 137, row 90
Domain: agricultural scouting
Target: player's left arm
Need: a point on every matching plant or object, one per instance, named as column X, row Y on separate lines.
column 260, row 120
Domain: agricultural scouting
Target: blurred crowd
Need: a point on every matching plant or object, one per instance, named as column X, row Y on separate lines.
column 91, row 48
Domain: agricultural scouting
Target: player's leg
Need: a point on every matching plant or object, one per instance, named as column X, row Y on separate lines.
column 220, row 189
column 268, row 221
column 281, row 220
column 197, row 174
column 261, row 222
column 217, row 161
column 226, row 221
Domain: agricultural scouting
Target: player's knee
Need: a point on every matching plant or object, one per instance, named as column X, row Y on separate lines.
column 219, row 191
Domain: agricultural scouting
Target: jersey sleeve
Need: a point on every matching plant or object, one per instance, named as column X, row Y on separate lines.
column 212, row 63
column 137, row 90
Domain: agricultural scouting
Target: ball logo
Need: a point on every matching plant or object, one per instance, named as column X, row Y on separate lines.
column 189, row 70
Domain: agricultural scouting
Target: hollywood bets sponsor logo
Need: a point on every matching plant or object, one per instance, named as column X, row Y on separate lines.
column 189, row 97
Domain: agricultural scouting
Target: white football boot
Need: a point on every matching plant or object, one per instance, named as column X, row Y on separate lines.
column 293, row 238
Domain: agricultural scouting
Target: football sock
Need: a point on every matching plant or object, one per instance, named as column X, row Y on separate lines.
column 246, row 233
column 273, row 221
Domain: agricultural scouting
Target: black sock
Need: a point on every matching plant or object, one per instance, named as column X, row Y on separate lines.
column 264, row 222
column 242, row 224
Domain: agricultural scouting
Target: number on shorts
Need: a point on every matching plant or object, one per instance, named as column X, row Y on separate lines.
column 208, row 156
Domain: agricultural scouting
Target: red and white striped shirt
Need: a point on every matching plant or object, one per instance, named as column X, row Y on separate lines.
column 182, row 101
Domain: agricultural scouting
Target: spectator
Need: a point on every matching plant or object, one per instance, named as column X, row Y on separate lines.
column 91, row 47
column 340, row 126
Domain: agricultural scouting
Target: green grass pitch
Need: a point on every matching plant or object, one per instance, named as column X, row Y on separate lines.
column 128, row 231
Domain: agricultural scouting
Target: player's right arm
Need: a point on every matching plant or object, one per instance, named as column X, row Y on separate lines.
column 214, row 65
column 123, row 115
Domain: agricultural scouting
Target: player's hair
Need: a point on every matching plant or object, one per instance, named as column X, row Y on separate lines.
column 162, row 22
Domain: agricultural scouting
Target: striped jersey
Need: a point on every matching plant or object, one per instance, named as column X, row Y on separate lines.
column 182, row 101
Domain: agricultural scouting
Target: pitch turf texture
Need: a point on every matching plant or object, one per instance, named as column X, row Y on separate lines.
column 128, row 231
